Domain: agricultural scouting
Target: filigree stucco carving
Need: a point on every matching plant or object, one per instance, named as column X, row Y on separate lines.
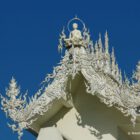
column 102, row 76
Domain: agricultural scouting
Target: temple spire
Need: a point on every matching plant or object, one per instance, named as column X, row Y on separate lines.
column 120, row 76
column 136, row 75
column 113, row 57
column 92, row 47
column 106, row 43
column 13, row 90
column 113, row 62
column 100, row 45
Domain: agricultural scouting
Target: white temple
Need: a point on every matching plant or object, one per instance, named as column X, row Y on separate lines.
column 85, row 98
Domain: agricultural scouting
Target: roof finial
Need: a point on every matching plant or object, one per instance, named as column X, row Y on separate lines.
column 106, row 43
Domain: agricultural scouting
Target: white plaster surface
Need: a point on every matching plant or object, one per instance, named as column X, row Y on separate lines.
column 49, row 133
column 90, row 119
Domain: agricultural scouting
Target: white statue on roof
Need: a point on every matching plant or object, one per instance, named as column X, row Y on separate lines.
column 77, row 37
column 75, row 34
column 62, row 108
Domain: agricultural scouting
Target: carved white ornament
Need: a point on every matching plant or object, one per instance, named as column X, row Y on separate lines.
column 102, row 76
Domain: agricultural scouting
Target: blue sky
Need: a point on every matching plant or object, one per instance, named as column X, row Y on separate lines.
column 29, row 33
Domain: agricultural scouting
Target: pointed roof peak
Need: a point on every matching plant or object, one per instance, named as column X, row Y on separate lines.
column 113, row 52
column 100, row 35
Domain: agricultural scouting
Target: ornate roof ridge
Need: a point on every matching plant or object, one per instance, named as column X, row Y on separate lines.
column 99, row 68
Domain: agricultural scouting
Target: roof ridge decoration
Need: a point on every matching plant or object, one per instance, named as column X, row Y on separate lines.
column 97, row 65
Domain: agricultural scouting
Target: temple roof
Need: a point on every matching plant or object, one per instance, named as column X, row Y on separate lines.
column 97, row 68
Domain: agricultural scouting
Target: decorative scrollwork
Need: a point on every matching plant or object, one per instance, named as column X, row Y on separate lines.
column 99, row 68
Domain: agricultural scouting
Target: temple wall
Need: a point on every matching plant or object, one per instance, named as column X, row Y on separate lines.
column 50, row 133
column 89, row 120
